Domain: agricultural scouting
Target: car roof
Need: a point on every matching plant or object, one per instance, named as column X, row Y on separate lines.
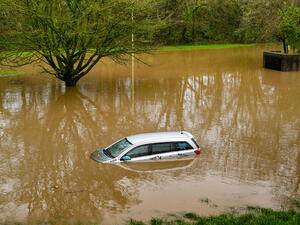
column 158, row 136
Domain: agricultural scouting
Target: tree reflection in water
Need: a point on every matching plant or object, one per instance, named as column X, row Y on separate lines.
column 46, row 159
column 246, row 120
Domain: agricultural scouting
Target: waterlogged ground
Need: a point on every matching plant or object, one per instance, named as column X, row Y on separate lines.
column 246, row 118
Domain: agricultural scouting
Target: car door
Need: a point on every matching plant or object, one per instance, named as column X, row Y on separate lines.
column 163, row 151
column 140, row 153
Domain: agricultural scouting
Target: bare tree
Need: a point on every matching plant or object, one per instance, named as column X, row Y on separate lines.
column 71, row 36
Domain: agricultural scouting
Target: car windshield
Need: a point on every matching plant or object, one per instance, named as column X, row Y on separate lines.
column 117, row 148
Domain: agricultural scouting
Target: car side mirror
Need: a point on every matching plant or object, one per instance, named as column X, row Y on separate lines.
column 125, row 158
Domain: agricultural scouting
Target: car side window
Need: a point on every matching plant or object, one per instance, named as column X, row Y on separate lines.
column 181, row 146
column 139, row 151
column 161, row 148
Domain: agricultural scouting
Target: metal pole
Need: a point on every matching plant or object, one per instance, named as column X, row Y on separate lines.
column 132, row 66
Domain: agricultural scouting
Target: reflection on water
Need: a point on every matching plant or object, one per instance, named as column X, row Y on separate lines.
column 247, row 119
column 151, row 166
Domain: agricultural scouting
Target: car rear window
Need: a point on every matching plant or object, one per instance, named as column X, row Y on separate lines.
column 180, row 146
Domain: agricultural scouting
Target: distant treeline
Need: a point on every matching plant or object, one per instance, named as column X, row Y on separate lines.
column 211, row 21
column 218, row 21
column 72, row 36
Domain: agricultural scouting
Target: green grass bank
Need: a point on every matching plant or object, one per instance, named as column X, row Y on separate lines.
column 191, row 47
column 249, row 216
column 10, row 73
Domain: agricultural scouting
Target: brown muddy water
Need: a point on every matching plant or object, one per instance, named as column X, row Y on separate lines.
column 246, row 118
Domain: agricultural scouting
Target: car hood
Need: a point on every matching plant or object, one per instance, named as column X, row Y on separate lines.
column 100, row 156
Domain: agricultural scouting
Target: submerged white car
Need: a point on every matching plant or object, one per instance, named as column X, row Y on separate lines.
column 149, row 146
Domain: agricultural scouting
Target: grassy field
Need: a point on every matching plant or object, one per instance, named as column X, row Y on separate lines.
column 190, row 47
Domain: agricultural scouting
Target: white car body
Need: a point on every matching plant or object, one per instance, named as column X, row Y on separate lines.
column 149, row 146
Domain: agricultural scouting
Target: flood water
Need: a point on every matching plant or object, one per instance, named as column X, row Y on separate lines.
column 245, row 118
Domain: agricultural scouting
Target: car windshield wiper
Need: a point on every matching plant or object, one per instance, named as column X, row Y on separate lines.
column 108, row 153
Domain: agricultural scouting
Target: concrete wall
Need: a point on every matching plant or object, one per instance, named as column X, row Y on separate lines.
column 282, row 62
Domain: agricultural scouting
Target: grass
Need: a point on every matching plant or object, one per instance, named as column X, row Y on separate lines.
column 247, row 216
column 296, row 203
column 190, row 47
column 208, row 202
column 205, row 200
column 252, row 216
column 10, row 73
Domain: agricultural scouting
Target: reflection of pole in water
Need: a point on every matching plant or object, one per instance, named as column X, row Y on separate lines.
column 132, row 68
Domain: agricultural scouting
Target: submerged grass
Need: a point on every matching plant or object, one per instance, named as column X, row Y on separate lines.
column 296, row 203
column 190, row 47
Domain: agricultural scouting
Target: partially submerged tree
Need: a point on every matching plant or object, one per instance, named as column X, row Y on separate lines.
column 68, row 37
column 277, row 20
column 289, row 27
column 260, row 20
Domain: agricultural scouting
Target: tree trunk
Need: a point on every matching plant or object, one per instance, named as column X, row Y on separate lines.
column 70, row 82
column 183, row 35
column 285, row 47
column 193, row 31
